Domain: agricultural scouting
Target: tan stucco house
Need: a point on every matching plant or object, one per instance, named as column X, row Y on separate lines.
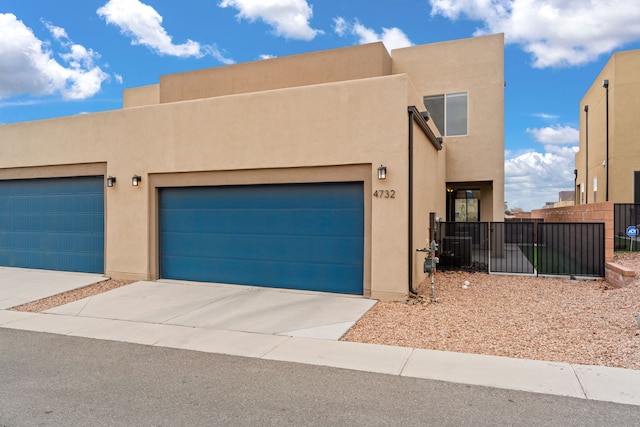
column 316, row 171
column 607, row 166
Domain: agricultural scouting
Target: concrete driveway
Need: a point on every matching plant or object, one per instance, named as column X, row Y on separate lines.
column 225, row 307
column 197, row 305
column 19, row 285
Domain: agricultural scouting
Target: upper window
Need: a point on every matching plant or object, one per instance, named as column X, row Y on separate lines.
column 449, row 112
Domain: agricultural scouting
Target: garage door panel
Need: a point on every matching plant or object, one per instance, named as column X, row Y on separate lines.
column 272, row 222
column 54, row 223
column 302, row 236
column 262, row 248
column 242, row 222
column 272, row 274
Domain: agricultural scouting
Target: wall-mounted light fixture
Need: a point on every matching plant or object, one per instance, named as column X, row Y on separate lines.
column 135, row 180
column 110, row 181
column 382, row 172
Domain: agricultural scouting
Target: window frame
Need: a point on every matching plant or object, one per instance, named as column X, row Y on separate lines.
column 444, row 100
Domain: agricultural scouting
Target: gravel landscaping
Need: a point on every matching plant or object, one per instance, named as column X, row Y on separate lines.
column 553, row 319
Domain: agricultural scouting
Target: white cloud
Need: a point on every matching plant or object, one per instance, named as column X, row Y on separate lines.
column 556, row 33
column 289, row 18
column 143, row 24
column 533, row 178
column 341, row 26
column 27, row 65
column 546, row 116
column 556, row 135
column 393, row 38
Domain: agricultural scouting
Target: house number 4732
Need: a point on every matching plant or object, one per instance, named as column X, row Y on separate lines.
column 384, row 194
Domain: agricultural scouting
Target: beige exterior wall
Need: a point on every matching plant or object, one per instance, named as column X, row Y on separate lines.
column 623, row 73
column 338, row 123
column 349, row 63
column 475, row 66
column 141, row 96
column 237, row 133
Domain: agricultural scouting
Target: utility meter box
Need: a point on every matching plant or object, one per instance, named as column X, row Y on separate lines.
column 430, row 264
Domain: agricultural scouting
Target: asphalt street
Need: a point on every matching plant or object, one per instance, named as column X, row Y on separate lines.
column 56, row 380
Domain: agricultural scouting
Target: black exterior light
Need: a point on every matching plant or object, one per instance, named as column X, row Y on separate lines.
column 135, row 180
column 110, row 181
column 382, row 172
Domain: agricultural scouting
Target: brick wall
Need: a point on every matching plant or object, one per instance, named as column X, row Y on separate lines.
column 591, row 212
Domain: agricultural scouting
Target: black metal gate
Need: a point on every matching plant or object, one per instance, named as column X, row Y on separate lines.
column 624, row 216
column 511, row 246
column 533, row 248
column 464, row 245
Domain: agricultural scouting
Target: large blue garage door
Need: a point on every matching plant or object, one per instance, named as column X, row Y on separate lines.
column 53, row 224
column 295, row 236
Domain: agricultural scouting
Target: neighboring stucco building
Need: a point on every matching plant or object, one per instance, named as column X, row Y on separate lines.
column 607, row 166
column 266, row 173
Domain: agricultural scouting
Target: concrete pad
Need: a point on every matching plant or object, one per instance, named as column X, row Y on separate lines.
column 275, row 312
column 20, row 285
column 151, row 302
column 493, row 371
column 39, row 322
column 341, row 354
column 610, row 384
column 130, row 332
column 222, row 342
column 329, row 332
column 225, row 307
column 7, row 317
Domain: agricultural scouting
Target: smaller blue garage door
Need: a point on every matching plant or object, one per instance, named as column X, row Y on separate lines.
column 298, row 236
column 53, row 224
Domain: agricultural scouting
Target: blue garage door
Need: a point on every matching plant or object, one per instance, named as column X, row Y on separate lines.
column 295, row 236
column 53, row 224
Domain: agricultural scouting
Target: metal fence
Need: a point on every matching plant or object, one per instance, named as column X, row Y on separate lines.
column 534, row 248
column 464, row 245
column 625, row 215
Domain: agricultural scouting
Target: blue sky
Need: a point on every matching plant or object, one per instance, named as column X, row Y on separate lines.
column 69, row 57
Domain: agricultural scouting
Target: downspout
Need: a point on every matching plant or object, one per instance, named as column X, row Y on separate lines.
column 415, row 115
column 410, row 231
column 586, row 155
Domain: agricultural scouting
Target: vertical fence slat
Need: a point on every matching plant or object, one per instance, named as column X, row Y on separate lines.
column 533, row 247
column 625, row 215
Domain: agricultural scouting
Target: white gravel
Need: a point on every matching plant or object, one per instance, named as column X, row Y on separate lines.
column 583, row 322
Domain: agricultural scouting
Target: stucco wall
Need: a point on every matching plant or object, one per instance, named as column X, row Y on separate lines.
column 624, row 152
column 141, row 96
column 322, row 117
column 349, row 63
column 475, row 66
column 348, row 124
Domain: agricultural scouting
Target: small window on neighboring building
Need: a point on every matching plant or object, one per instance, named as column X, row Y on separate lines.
column 449, row 113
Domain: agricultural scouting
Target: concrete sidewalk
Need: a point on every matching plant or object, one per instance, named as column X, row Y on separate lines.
column 301, row 327
column 19, row 285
